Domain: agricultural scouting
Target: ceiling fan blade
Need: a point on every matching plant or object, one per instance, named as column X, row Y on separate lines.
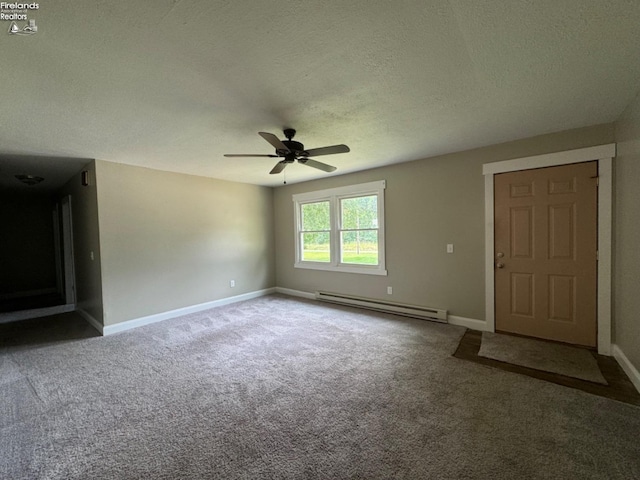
column 279, row 167
column 315, row 164
column 248, row 155
column 315, row 152
column 275, row 141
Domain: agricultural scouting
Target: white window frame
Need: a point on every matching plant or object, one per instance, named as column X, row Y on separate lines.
column 333, row 196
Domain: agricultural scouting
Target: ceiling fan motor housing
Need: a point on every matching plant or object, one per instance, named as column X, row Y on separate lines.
column 295, row 147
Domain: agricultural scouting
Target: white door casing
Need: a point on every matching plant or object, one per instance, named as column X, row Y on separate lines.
column 67, row 246
column 604, row 154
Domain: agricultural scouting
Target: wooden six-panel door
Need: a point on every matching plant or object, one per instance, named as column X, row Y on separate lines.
column 546, row 252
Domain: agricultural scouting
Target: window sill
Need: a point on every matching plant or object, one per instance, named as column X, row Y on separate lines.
column 341, row 268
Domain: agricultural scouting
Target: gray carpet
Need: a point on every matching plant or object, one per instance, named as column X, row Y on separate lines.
column 547, row 356
column 278, row 388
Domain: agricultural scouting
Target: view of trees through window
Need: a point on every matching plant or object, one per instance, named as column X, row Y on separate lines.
column 358, row 232
column 316, row 232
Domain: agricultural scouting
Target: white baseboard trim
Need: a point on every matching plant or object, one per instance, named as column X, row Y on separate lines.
column 7, row 317
column 92, row 320
column 158, row 317
column 295, row 293
column 471, row 323
column 628, row 367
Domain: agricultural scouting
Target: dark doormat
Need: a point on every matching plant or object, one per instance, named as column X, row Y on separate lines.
column 619, row 386
column 554, row 357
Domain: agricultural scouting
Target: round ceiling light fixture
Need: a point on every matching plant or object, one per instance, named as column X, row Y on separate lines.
column 29, row 179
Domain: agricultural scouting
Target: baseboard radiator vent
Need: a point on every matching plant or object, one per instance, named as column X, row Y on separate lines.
column 435, row 314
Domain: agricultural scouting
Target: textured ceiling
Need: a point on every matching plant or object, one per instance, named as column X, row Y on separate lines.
column 173, row 85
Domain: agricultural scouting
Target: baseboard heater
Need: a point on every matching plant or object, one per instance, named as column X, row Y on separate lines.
column 435, row 314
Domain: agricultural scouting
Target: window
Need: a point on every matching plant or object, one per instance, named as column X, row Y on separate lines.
column 341, row 229
column 315, row 232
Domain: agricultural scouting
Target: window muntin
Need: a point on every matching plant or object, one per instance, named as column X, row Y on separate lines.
column 341, row 229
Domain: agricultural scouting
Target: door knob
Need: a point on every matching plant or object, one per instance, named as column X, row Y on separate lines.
column 499, row 265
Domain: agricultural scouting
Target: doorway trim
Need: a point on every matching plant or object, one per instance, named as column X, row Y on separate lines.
column 66, row 220
column 604, row 155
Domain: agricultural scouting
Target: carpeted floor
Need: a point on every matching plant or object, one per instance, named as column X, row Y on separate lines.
column 282, row 388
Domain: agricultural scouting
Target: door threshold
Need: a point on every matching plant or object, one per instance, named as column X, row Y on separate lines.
column 6, row 317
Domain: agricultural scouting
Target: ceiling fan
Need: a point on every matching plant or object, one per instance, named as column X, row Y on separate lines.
column 290, row 151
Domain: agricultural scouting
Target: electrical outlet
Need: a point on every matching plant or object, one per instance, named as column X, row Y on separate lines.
column 232, row 283
column 390, row 290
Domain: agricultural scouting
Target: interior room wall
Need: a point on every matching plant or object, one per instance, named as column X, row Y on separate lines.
column 27, row 253
column 626, row 301
column 86, row 241
column 428, row 204
column 170, row 241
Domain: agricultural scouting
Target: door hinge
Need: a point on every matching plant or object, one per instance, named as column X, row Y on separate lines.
column 597, row 255
column 597, row 180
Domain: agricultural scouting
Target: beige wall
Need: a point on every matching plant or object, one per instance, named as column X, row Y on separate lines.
column 428, row 203
column 627, row 234
column 27, row 253
column 86, row 239
column 171, row 240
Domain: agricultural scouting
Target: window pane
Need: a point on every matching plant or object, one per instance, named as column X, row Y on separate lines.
column 315, row 216
column 359, row 247
column 359, row 212
column 315, row 247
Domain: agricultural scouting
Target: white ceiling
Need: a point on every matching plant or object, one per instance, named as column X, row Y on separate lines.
column 173, row 85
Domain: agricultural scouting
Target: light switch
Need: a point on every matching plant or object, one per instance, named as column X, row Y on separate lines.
column 449, row 247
